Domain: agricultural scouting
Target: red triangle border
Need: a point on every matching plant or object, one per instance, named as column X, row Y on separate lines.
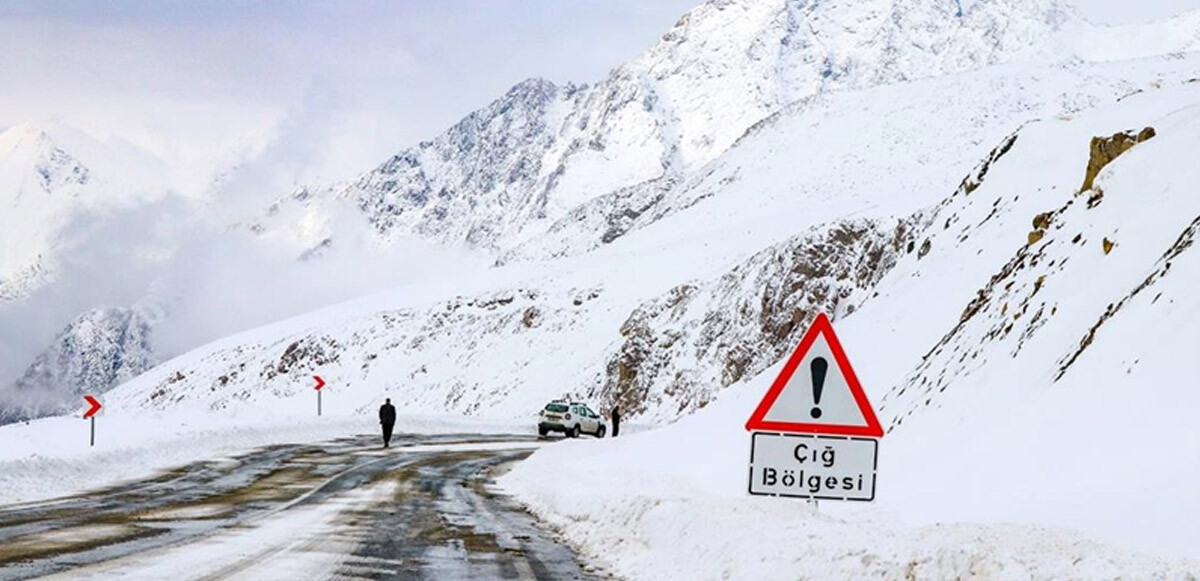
column 820, row 326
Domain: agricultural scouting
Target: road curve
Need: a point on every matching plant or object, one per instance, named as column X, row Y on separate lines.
column 339, row 510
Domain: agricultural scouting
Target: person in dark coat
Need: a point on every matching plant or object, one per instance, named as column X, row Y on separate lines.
column 616, row 420
column 387, row 419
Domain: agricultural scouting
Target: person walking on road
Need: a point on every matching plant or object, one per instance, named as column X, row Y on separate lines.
column 616, row 420
column 387, row 419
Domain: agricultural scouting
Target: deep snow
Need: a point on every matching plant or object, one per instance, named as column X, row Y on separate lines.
column 996, row 462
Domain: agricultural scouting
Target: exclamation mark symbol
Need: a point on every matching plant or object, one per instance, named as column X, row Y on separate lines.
column 819, row 366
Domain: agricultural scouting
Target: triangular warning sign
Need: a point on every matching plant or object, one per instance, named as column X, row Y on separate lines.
column 817, row 391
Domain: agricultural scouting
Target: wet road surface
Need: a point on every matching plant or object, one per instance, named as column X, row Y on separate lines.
column 339, row 510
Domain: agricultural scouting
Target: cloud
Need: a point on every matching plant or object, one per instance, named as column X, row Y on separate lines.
column 197, row 260
column 188, row 80
column 246, row 102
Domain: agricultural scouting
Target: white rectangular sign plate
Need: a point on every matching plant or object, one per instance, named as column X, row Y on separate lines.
column 804, row 466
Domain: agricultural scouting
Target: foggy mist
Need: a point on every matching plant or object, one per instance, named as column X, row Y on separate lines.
column 198, row 270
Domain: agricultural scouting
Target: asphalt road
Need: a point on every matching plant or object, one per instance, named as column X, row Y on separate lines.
column 341, row 510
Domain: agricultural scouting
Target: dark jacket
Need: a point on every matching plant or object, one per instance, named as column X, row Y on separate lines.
column 387, row 414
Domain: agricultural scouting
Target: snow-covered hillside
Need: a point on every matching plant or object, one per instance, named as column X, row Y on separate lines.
column 722, row 284
column 545, row 156
column 720, row 112
column 1030, row 360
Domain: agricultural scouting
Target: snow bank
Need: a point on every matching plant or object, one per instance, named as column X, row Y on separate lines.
column 671, row 504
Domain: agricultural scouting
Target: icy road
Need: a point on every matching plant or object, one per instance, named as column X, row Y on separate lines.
column 341, row 510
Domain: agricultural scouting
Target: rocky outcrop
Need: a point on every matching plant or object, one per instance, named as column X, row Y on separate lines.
column 472, row 182
column 681, row 348
column 1105, row 149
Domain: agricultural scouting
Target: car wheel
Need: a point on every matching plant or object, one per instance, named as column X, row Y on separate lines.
column 600, row 432
column 542, row 432
column 574, row 433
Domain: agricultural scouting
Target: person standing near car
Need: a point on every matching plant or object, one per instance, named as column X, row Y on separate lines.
column 616, row 420
column 387, row 419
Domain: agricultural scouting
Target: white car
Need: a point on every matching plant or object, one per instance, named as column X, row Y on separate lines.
column 571, row 419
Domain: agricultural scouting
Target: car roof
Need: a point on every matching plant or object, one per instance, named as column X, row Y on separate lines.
column 565, row 402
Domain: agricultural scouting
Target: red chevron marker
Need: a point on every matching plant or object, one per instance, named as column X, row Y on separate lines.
column 95, row 403
column 320, row 382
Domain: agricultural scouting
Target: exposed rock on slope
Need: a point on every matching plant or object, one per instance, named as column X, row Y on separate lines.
column 672, row 355
column 1029, row 322
column 468, row 184
column 1106, row 149
column 679, row 350
column 466, row 355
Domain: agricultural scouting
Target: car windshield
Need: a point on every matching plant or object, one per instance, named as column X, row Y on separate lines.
column 557, row 408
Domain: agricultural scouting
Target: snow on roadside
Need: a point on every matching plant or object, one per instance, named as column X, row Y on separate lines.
column 671, row 504
column 1024, row 459
column 50, row 458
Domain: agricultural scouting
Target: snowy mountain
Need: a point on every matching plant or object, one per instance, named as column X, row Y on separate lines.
column 545, row 157
column 97, row 351
column 770, row 126
column 720, row 288
column 50, row 175
column 40, row 180
column 58, row 189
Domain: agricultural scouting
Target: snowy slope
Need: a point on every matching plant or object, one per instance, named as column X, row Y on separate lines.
column 542, row 152
column 881, row 148
column 721, row 284
column 1000, row 363
column 544, row 157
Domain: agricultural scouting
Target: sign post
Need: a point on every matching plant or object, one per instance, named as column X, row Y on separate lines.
column 320, row 384
column 90, row 414
column 814, row 434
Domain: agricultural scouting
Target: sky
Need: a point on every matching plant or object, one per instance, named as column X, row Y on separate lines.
column 198, row 83
column 194, row 80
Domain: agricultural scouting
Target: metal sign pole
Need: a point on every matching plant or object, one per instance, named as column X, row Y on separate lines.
column 318, row 402
column 93, row 418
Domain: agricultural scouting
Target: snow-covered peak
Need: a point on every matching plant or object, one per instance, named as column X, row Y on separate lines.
column 729, row 63
column 505, row 173
column 35, row 146
column 49, row 172
column 51, row 145
column 492, row 159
